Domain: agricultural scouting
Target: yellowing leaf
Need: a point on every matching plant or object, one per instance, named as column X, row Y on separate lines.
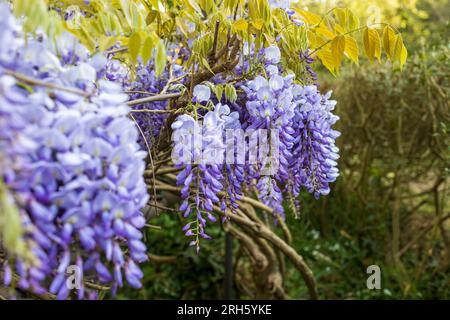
column 327, row 59
column 194, row 5
column 311, row 38
column 403, row 56
column 105, row 43
column 134, row 46
column 400, row 53
column 339, row 29
column 389, row 39
column 342, row 17
column 253, row 9
column 240, row 25
column 353, row 21
column 351, row 49
column 151, row 17
column 372, row 44
column 258, row 23
column 324, row 31
column 337, row 50
column 309, row 17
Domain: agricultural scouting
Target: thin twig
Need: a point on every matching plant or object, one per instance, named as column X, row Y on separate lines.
column 161, row 259
column 159, row 206
column 158, row 97
column 118, row 50
column 152, row 226
column 37, row 82
column 151, row 158
column 152, row 111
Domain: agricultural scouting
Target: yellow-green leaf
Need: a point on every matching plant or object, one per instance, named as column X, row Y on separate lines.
column 339, row 29
column 342, row 16
column 219, row 92
column 11, row 229
column 258, row 24
column 240, row 25
column 400, row 53
column 351, row 49
column 337, row 50
column 105, row 43
column 194, row 5
column 372, row 44
column 324, row 31
column 147, row 50
column 309, row 17
column 327, row 59
column 311, row 38
column 389, row 39
column 353, row 21
column 160, row 58
column 151, row 17
column 403, row 56
column 134, row 46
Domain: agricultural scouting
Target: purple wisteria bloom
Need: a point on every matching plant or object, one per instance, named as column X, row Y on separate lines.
column 315, row 153
column 199, row 150
column 72, row 163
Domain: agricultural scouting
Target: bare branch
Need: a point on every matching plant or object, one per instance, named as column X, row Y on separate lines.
column 158, row 97
column 40, row 83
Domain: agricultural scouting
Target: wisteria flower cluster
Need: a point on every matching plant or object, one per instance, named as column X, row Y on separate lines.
column 70, row 158
column 297, row 148
column 199, row 150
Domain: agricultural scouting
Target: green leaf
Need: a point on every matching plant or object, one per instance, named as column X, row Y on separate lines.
column 160, row 58
column 11, row 230
column 147, row 50
column 230, row 93
column 219, row 91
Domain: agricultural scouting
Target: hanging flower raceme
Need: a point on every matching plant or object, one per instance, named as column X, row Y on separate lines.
column 77, row 175
column 270, row 106
column 315, row 153
column 299, row 145
column 199, row 150
column 288, row 144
